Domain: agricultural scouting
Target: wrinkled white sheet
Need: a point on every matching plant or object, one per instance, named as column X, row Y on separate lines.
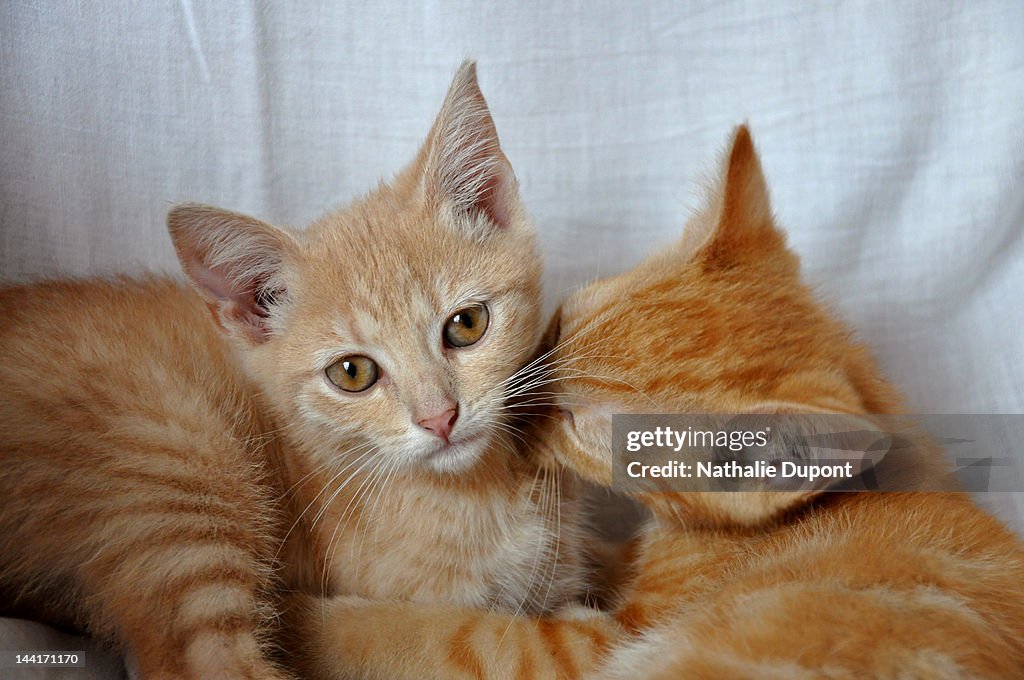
column 891, row 134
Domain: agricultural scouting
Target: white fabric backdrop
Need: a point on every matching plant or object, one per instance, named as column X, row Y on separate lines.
column 891, row 134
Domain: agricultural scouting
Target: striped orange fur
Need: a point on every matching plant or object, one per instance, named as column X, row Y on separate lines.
column 138, row 501
column 170, row 457
column 762, row 585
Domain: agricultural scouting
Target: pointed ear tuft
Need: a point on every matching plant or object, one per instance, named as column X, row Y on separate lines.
column 464, row 165
column 234, row 261
column 745, row 198
column 738, row 217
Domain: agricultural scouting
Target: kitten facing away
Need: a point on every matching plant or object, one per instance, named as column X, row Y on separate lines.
column 730, row 585
column 340, row 424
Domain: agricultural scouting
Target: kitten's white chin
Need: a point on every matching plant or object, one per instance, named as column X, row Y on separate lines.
column 459, row 455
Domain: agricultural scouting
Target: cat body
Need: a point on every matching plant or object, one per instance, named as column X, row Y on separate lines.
column 763, row 584
column 907, row 586
column 324, row 410
column 138, row 499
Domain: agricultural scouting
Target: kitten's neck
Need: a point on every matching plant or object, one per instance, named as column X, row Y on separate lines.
column 330, row 505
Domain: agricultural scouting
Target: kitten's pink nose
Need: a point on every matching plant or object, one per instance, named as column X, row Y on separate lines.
column 441, row 424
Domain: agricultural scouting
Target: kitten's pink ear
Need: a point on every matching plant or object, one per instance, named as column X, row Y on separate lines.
column 234, row 261
column 738, row 216
column 463, row 166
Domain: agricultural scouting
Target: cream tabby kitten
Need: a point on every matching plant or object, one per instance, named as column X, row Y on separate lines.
column 343, row 412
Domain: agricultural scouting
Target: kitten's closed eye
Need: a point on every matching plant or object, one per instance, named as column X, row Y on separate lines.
column 353, row 373
column 466, row 326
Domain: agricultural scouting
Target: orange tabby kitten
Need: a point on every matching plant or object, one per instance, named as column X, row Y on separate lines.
column 358, row 370
column 730, row 585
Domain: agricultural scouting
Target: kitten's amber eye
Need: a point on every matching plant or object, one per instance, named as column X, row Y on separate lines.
column 353, row 373
column 466, row 326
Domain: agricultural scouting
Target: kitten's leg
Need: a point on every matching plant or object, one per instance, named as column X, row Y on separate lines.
column 163, row 541
column 344, row 638
column 188, row 580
